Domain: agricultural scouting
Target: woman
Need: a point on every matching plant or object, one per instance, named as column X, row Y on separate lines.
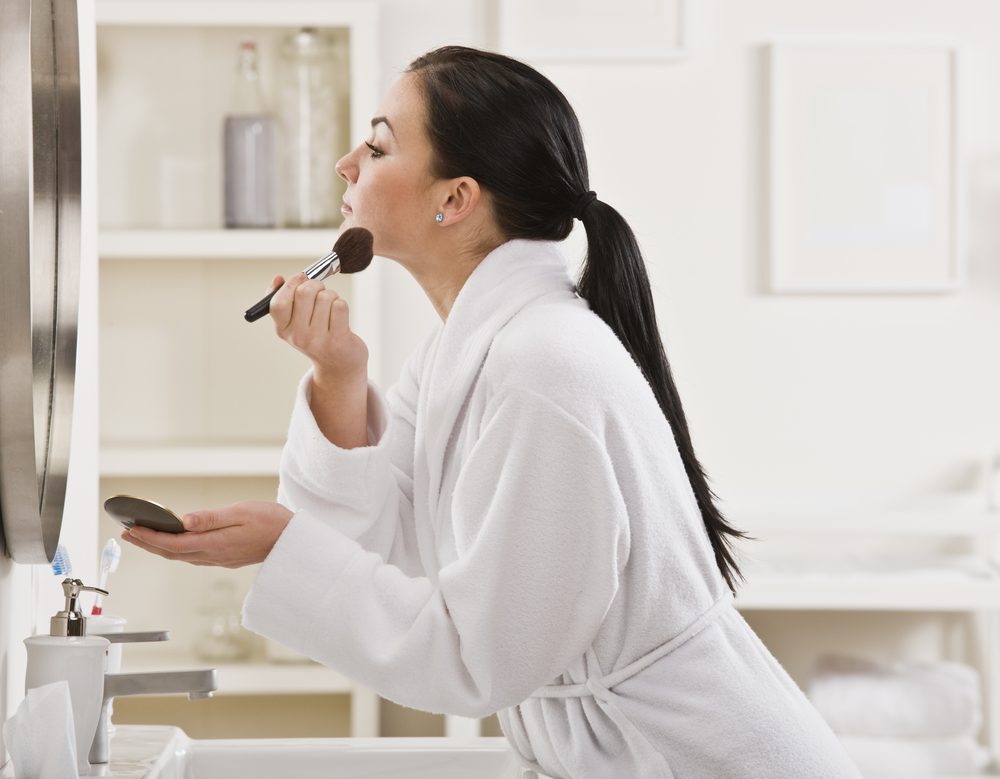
column 520, row 524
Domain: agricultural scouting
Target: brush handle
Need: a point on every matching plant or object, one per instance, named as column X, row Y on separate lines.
column 318, row 271
column 262, row 307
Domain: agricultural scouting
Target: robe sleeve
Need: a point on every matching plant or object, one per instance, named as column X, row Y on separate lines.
column 542, row 535
column 374, row 482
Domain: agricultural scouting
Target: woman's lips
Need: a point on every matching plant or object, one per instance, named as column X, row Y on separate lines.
column 346, row 209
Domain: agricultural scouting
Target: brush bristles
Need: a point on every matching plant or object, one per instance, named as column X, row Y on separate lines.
column 354, row 248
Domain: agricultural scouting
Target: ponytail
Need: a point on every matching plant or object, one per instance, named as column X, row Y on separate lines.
column 615, row 284
column 537, row 186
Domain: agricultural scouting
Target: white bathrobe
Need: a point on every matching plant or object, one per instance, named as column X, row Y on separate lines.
column 520, row 537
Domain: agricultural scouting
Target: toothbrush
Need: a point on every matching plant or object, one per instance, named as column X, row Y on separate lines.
column 61, row 565
column 111, row 555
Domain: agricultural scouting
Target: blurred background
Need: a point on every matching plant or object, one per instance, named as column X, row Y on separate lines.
column 815, row 188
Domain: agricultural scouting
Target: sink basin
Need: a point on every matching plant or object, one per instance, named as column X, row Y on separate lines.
column 167, row 752
column 336, row 758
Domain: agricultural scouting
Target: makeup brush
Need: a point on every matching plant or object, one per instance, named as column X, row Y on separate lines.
column 351, row 253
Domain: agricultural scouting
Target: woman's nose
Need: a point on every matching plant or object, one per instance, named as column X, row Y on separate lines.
column 347, row 168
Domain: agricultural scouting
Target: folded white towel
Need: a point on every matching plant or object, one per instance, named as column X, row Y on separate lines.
column 888, row 758
column 864, row 697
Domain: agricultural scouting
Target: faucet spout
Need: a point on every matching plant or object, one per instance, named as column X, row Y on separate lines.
column 195, row 683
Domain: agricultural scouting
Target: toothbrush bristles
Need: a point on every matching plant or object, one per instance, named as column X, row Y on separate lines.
column 60, row 562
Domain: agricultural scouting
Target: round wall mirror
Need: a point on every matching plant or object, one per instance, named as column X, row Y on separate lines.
column 39, row 268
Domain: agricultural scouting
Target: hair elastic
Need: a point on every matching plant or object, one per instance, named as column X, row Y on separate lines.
column 582, row 203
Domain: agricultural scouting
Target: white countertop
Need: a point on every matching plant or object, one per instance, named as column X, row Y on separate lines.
column 134, row 751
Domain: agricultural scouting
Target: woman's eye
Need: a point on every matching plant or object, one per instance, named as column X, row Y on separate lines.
column 376, row 152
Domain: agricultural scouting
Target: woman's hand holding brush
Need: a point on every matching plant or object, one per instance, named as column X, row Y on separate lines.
column 315, row 320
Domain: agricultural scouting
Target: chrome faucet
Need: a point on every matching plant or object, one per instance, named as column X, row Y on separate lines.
column 197, row 684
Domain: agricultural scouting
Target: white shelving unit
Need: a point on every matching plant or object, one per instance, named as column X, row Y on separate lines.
column 195, row 401
column 966, row 582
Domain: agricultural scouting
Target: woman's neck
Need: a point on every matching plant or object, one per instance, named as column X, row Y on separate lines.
column 443, row 277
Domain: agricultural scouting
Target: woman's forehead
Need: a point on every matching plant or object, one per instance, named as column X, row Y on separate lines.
column 401, row 110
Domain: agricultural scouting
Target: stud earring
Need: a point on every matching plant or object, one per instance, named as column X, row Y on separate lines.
column 439, row 217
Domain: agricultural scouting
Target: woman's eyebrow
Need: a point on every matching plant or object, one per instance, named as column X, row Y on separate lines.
column 384, row 120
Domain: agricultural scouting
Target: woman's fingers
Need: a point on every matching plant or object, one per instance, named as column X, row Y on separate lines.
column 194, row 558
column 302, row 310
column 211, row 519
column 321, row 311
column 174, row 543
column 339, row 317
column 138, row 539
column 282, row 303
column 304, row 305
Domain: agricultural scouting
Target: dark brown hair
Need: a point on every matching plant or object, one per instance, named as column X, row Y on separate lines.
column 504, row 124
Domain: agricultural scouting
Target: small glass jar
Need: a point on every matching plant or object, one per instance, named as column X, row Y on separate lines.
column 311, row 92
column 221, row 636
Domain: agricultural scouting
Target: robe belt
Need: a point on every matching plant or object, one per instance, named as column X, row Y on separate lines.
column 600, row 686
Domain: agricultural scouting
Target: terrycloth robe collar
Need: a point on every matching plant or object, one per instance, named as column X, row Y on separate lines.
column 510, row 277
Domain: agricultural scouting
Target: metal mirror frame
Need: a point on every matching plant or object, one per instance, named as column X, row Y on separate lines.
column 39, row 267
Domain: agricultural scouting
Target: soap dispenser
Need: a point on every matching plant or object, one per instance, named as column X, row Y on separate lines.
column 69, row 654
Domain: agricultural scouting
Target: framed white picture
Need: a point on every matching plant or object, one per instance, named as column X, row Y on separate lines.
column 864, row 151
column 626, row 30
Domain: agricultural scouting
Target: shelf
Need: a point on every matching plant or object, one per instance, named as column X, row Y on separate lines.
column 204, row 13
column 960, row 516
column 170, row 461
column 925, row 589
column 253, row 678
column 306, row 245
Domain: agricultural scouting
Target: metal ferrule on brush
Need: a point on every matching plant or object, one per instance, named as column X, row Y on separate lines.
column 322, row 268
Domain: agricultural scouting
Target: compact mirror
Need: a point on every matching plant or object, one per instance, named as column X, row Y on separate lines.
column 131, row 511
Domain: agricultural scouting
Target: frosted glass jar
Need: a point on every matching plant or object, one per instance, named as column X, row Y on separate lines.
column 222, row 638
column 312, row 79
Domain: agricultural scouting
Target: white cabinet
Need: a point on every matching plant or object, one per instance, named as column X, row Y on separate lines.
column 936, row 561
column 195, row 401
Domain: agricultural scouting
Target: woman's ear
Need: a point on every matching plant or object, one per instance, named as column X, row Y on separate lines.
column 464, row 195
